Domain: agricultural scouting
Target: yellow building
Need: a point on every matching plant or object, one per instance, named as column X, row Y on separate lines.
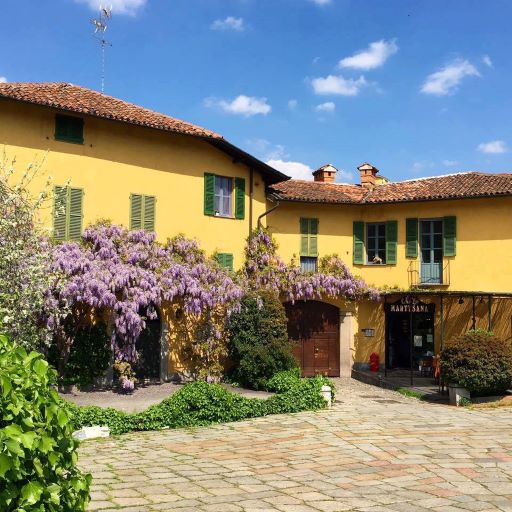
column 441, row 247
column 114, row 160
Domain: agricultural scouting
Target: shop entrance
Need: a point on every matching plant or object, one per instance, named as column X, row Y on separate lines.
column 409, row 333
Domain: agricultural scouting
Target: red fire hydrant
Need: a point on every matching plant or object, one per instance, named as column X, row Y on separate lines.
column 374, row 362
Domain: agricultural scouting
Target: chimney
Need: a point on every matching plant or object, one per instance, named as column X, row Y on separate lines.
column 368, row 175
column 326, row 174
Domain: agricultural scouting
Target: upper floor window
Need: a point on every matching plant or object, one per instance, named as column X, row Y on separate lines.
column 67, row 213
column 308, row 264
column 69, row 129
column 224, row 196
column 375, row 242
column 142, row 212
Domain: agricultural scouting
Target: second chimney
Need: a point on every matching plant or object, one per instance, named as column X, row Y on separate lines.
column 368, row 175
column 326, row 174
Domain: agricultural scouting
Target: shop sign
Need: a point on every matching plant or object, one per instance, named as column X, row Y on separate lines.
column 410, row 304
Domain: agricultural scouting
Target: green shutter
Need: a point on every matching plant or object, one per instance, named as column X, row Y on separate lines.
column 209, row 194
column 411, row 238
column 304, row 237
column 391, row 241
column 135, row 211
column 60, row 204
column 358, row 243
column 225, row 260
column 239, row 198
column 75, row 213
column 313, row 237
column 149, row 212
column 449, row 236
column 69, row 129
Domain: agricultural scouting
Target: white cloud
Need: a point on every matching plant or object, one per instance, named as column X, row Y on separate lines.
column 292, row 104
column 373, row 57
column 329, row 106
column 487, row 61
column 230, row 23
column 450, row 163
column 446, row 80
column 338, row 85
column 493, row 147
column 321, row 2
column 296, row 170
column 118, row 6
column 242, row 105
column 3, row 80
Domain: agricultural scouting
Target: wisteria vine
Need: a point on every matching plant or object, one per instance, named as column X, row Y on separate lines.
column 130, row 274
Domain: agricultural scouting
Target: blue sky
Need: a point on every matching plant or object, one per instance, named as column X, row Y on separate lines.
column 417, row 88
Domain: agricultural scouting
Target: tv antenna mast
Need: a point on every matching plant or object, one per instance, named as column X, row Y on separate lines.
column 100, row 27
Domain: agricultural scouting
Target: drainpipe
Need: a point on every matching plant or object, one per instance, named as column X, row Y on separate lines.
column 251, row 198
column 264, row 214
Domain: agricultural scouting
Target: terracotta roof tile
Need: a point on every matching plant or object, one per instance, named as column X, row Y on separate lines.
column 454, row 186
column 74, row 98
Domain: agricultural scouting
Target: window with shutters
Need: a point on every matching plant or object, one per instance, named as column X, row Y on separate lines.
column 142, row 212
column 225, row 260
column 224, row 196
column 376, row 243
column 308, row 237
column 67, row 213
column 69, row 129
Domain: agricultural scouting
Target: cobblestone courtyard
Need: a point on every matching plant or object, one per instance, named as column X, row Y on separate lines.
column 373, row 451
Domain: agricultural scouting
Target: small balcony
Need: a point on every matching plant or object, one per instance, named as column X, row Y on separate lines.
column 430, row 274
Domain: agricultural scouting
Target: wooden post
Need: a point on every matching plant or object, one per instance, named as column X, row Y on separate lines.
column 474, row 314
column 441, row 311
column 489, row 313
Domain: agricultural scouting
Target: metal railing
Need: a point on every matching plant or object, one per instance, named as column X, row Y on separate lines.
column 415, row 277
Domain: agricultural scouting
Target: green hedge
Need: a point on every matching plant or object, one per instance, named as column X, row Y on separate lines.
column 199, row 404
column 258, row 340
column 37, row 453
column 478, row 361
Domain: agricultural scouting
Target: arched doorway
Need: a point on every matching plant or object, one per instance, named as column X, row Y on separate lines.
column 149, row 351
column 314, row 327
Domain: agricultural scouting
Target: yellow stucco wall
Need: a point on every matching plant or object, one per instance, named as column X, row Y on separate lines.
column 484, row 239
column 118, row 159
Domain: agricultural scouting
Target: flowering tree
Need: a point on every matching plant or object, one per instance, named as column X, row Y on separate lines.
column 264, row 269
column 25, row 257
column 130, row 274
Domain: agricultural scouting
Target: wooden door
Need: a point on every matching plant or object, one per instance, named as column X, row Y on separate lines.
column 314, row 328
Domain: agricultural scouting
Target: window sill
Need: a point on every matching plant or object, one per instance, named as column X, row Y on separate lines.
column 371, row 265
column 431, row 285
column 71, row 141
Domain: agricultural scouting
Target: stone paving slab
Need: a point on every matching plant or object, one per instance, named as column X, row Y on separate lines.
column 361, row 455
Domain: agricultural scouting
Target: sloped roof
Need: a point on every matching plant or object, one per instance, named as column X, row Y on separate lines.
column 76, row 99
column 453, row 186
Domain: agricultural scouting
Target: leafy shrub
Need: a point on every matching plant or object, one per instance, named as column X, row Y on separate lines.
column 200, row 404
column 283, row 381
column 37, row 452
column 259, row 346
column 88, row 358
column 478, row 361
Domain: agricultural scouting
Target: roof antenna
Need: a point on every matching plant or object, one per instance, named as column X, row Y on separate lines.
column 100, row 27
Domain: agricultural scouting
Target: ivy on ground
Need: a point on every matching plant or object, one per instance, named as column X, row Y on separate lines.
column 200, row 404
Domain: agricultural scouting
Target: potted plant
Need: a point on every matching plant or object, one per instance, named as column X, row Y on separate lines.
column 125, row 376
